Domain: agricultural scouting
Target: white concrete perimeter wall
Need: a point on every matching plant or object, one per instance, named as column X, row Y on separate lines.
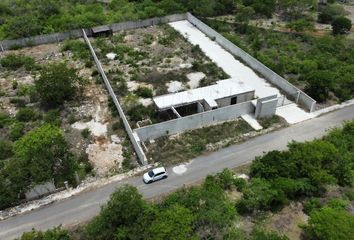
column 271, row 76
column 40, row 190
column 147, row 22
column 194, row 121
column 73, row 34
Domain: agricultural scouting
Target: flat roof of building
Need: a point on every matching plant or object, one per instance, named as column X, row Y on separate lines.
column 100, row 29
column 222, row 89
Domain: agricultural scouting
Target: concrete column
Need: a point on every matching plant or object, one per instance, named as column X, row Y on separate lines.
column 175, row 112
column 298, row 96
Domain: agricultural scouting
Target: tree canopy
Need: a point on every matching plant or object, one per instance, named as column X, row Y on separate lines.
column 40, row 156
column 57, row 83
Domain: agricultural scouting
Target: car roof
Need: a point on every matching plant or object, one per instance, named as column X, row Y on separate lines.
column 159, row 170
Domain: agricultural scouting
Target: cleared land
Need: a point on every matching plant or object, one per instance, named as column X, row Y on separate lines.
column 150, row 62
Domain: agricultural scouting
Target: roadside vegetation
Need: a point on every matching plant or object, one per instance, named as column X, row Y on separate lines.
column 220, row 207
column 34, row 149
column 170, row 150
column 43, row 93
column 28, row 18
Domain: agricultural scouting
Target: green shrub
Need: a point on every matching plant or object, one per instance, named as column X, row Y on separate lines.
column 341, row 25
column 27, row 115
column 261, row 234
column 53, row 117
column 58, row 83
column 337, row 203
column 16, row 131
column 144, row 92
column 350, row 195
column 302, row 24
column 4, row 119
column 14, row 62
column 127, row 162
column 140, row 112
column 260, row 194
column 18, row 102
column 117, row 125
column 148, row 39
column 78, row 48
column 330, row 12
column 52, row 234
column 5, row 149
column 240, row 184
column 14, row 84
column 117, row 38
column 226, row 179
column 312, row 204
column 328, row 223
column 169, row 36
column 85, row 133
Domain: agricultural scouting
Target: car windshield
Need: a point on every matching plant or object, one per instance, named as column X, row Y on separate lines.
column 150, row 173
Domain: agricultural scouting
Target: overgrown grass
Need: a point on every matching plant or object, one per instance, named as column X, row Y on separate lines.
column 193, row 143
column 78, row 48
column 14, row 62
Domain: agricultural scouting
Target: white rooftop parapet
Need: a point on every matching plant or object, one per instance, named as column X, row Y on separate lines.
column 222, row 89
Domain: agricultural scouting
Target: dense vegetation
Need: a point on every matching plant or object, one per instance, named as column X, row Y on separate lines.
column 38, row 157
column 23, row 18
column 207, row 211
column 304, row 170
column 320, row 65
column 33, row 149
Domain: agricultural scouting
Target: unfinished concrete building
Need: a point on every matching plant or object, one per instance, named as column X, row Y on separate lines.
column 223, row 93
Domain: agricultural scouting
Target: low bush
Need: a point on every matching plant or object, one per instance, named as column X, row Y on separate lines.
column 148, row 39
column 330, row 12
column 140, row 112
column 169, row 36
column 5, row 149
column 144, row 92
column 330, row 223
column 14, row 62
column 27, row 115
column 58, row 83
column 261, row 234
column 85, row 133
column 4, row 120
column 341, row 25
column 18, row 102
column 78, row 48
column 53, row 117
column 16, row 131
column 14, row 84
column 52, row 234
column 312, row 204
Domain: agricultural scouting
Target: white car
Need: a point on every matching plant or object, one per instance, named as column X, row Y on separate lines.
column 155, row 175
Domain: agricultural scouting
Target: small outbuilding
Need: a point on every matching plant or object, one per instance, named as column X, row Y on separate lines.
column 102, row 31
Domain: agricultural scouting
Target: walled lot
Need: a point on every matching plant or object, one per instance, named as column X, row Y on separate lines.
column 185, row 146
column 103, row 148
column 150, row 62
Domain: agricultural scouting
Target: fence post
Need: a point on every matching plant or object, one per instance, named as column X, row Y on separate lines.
column 298, row 97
